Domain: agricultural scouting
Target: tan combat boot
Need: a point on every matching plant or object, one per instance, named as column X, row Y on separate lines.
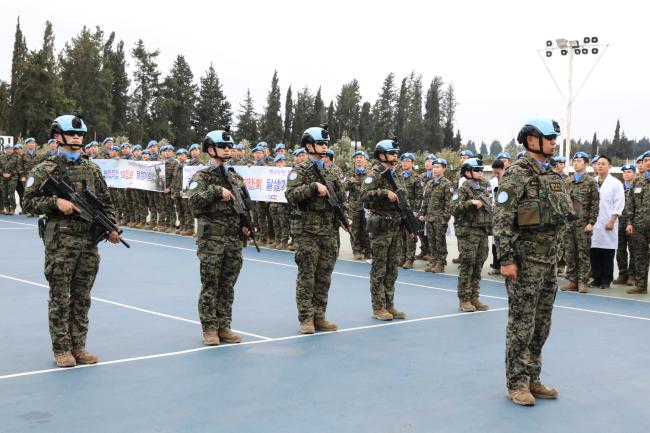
column 82, row 356
column 540, row 391
column 382, row 315
column 282, row 246
column 291, row 247
column 397, row 314
column 357, row 256
column 307, row 327
column 429, row 267
column 226, row 334
column 188, row 232
column 408, row 264
column 64, row 359
column 522, row 397
column 479, row 305
column 570, row 286
column 622, row 279
column 466, row 307
column 324, row 325
column 210, row 337
column 631, row 282
column 438, row 268
column 636, row 290
column 583, row 287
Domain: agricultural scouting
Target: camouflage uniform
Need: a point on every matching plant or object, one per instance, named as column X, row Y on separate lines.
column 625, row 268
column 358, row 233
column 425, row 249
column 577, row 243
column 182, row 204
column 280, row 215
column 386, row 235
column 472, row 226
column 413, row 186
column 315, row 229
column 436, row 207
column 531, row 240
column 167, row 202
column 9, row 164
column 639, row 218
column 220, row 241
column 261, row 214
column 71, row 256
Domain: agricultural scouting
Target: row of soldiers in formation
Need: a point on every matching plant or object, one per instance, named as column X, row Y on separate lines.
column 530, row 215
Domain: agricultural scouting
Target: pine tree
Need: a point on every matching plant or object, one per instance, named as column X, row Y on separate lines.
column 145, row 78
column 511, row 147
column 213, row 111
column 471, row 146
column 331, row 121
column 318, row 113
column 401, row 110
column 432, row 129
column 288, row 118
column 271, row 126
column 303, row 112
column 595, row 145
column 457, row 140
column 484, row 149
column 413, row 131
column 180, row 92
column 18, row 66
column 383, row 112
column 86, row 82
column 347, row 110
column 247, row 120
column 115, row 61
column 495, row 148
column 4, row 108
column 449, row 110
column 365, row 125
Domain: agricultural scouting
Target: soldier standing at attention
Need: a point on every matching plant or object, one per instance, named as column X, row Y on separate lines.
column 358, row 233
column 531, row 210
column 280, row 213
column 71, row 256
column 625, row 269
column 638, row 226
column 385, row 230
column 583, row 191
column 219, row 238
column 315, row 229
column 414, row 194
column 471, row 207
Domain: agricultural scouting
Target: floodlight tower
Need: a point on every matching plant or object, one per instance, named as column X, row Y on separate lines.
column 566, row 47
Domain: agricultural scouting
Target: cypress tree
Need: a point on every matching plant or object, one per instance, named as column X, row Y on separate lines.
column 413, row 130
column 247, row 120
column 288, row 118
column 449, row 110
column 271, row 126
column 303, row 112
column 365, row 125
column 401, row 111
column 180, row 92
column 4, row 108
column 432, row 129
column 495, row 147
column 145, row 78
column 115, row 61
column 347, row 110
column 213, row 111
column 383, row 112
column 318, row 113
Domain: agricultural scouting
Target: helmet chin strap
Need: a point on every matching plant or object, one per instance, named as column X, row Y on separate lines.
column 541, row 149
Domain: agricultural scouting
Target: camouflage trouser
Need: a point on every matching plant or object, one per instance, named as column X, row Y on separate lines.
column 129, row 205
column 261, row 220
column 473, row 251
column 437, row 235
column 577, row 245
column 386, row 248
column 280, row 214
column 151, row 206
column 140, row 205
column 221, row 260
column 116, row 198
column 359, row 233
column 625, row 268
column 71, row 264
column 315, row 257
column 530, row 305
column 184, row 214
column 641, row 244
column 170, row 211
column 7, row 194
column 159, row 203
column 409, row 248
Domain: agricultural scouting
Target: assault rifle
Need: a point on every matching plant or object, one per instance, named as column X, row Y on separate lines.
column 91, row 209
column 335, row 196
column 242, row 203
column 408, row 219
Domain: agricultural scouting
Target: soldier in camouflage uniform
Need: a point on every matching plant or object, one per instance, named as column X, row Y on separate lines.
column 219, row 239
column 30, row 160
column 261, row 208
column 471, row 208
column 353, row 183
column 10, row 168
column 385, row 230
column 280, row 213
column 71, row 256
column 425, row 178
column 625, row 268
column 315, row 229
column 436, row 212
column 107, row 144
column 583, row 191
column 413, row 188
column 166, row 202
column 531, row 208
column 186, row 227
column 639, row 227
column 239, row 158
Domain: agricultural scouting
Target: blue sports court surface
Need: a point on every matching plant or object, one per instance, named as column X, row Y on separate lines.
column 438, row 371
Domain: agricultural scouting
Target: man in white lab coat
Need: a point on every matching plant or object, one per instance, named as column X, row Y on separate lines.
column 604, row 241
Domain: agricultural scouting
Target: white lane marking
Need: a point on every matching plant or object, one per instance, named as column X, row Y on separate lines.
column 131, row 307
column 245, row 343
column 16, row 228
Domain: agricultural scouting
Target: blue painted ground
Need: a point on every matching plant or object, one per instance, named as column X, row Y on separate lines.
column 441, row 374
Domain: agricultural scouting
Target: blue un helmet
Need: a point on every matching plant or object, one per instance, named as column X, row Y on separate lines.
column 279, row 158
column 472, row 164
column 28, row 139
column 182, row 151
column 582, row 155
column 467, row 153
column 408, row 155
column 595, row 159
column 560, row 159
column 107, row 139
column 431, row 157
column 220, row 138
column 540, row 127
column 521, row 154
column 278, row 147
column 386, row 147
column 505, row 155
column 67, row 124
column 628, row 167
column 137, row 147
column 239, row 146
column 646, row 154
column 18, row 146
column 360, row 152
column 194, row 146
column 440, row 161
column 299, row 151
column 151, row 144
column 330, row 153
column 316, row 134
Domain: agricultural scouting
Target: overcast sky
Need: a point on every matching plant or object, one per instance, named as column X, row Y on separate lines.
column 487, row 49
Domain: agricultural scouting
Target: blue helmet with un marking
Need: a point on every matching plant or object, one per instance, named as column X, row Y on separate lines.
column 560, row 159
column 194, row 146
column 316, row 134
column 299, row 151
column 151, row 144
column 468, row 153
column 582, row 155
column 220, row 136
column 431, row 157
column 279, row 147
column 629, row 167
column 440, row 161
column 330, row 153
column 540, row 127
column 408, row 155
column 360, row 152
column 504, row 155
column 66, row 124
column 386, row 146
column 471, row 164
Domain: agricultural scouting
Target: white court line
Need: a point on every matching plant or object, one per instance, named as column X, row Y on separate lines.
column 351, row 261
column 16, row 228
column 131, row 307
column 16, row 222
column 245, row 343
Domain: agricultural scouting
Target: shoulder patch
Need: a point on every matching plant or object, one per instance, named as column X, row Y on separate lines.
column 293, row 175
column 368, row 180
column 30, row 181
column 502, row 197
column 455, row 197
column 451, row 189
column 638, row 190
column 193, row 184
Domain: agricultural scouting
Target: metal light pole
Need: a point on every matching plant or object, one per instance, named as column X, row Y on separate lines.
column 589, row 45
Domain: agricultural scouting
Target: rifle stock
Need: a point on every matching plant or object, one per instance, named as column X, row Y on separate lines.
column 242, row 204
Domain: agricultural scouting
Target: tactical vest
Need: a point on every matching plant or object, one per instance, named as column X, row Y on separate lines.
column 545, row 203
